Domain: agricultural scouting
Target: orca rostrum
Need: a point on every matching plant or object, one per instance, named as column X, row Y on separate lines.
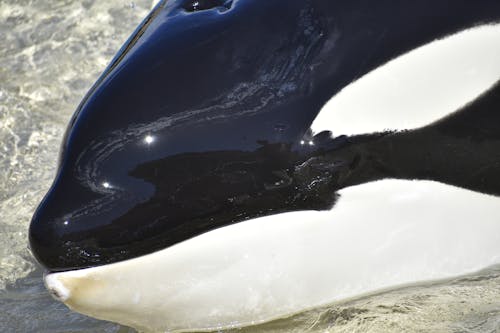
column 204, row 182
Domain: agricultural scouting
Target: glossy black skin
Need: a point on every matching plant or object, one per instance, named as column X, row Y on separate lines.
column 227, row 90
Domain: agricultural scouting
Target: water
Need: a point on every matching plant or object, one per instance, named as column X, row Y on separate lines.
column 462, row 305
column 51, row 51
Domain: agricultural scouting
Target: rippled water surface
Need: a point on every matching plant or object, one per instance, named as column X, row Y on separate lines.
column 51, row 51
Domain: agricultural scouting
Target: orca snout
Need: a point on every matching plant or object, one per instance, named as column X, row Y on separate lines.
column 46, row 232
column 52, row 227
column 72, row 228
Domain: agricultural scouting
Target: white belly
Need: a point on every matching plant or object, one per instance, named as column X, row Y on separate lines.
column 378, row 235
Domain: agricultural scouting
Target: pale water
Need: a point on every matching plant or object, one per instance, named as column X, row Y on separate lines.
column 51, row 51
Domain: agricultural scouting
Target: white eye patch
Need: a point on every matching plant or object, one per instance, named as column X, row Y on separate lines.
column 419, row 87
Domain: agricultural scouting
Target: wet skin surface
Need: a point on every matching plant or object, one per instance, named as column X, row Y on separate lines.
column 202, row 120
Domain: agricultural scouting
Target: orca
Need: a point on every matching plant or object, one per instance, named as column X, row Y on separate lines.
column 206, row 182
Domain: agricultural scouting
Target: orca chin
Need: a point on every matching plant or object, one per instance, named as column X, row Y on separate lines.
column 193, row 194
column 276, row 266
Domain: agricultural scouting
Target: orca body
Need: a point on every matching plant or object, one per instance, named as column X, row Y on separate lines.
column 192, row 158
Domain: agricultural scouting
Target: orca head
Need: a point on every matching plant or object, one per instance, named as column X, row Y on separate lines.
column 194, row 125
column 203, row 120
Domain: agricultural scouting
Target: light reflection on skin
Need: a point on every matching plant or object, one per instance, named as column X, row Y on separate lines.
column 149, row 139
column 101, row 149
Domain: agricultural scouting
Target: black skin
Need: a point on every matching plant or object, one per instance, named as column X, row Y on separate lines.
column 226, row 91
